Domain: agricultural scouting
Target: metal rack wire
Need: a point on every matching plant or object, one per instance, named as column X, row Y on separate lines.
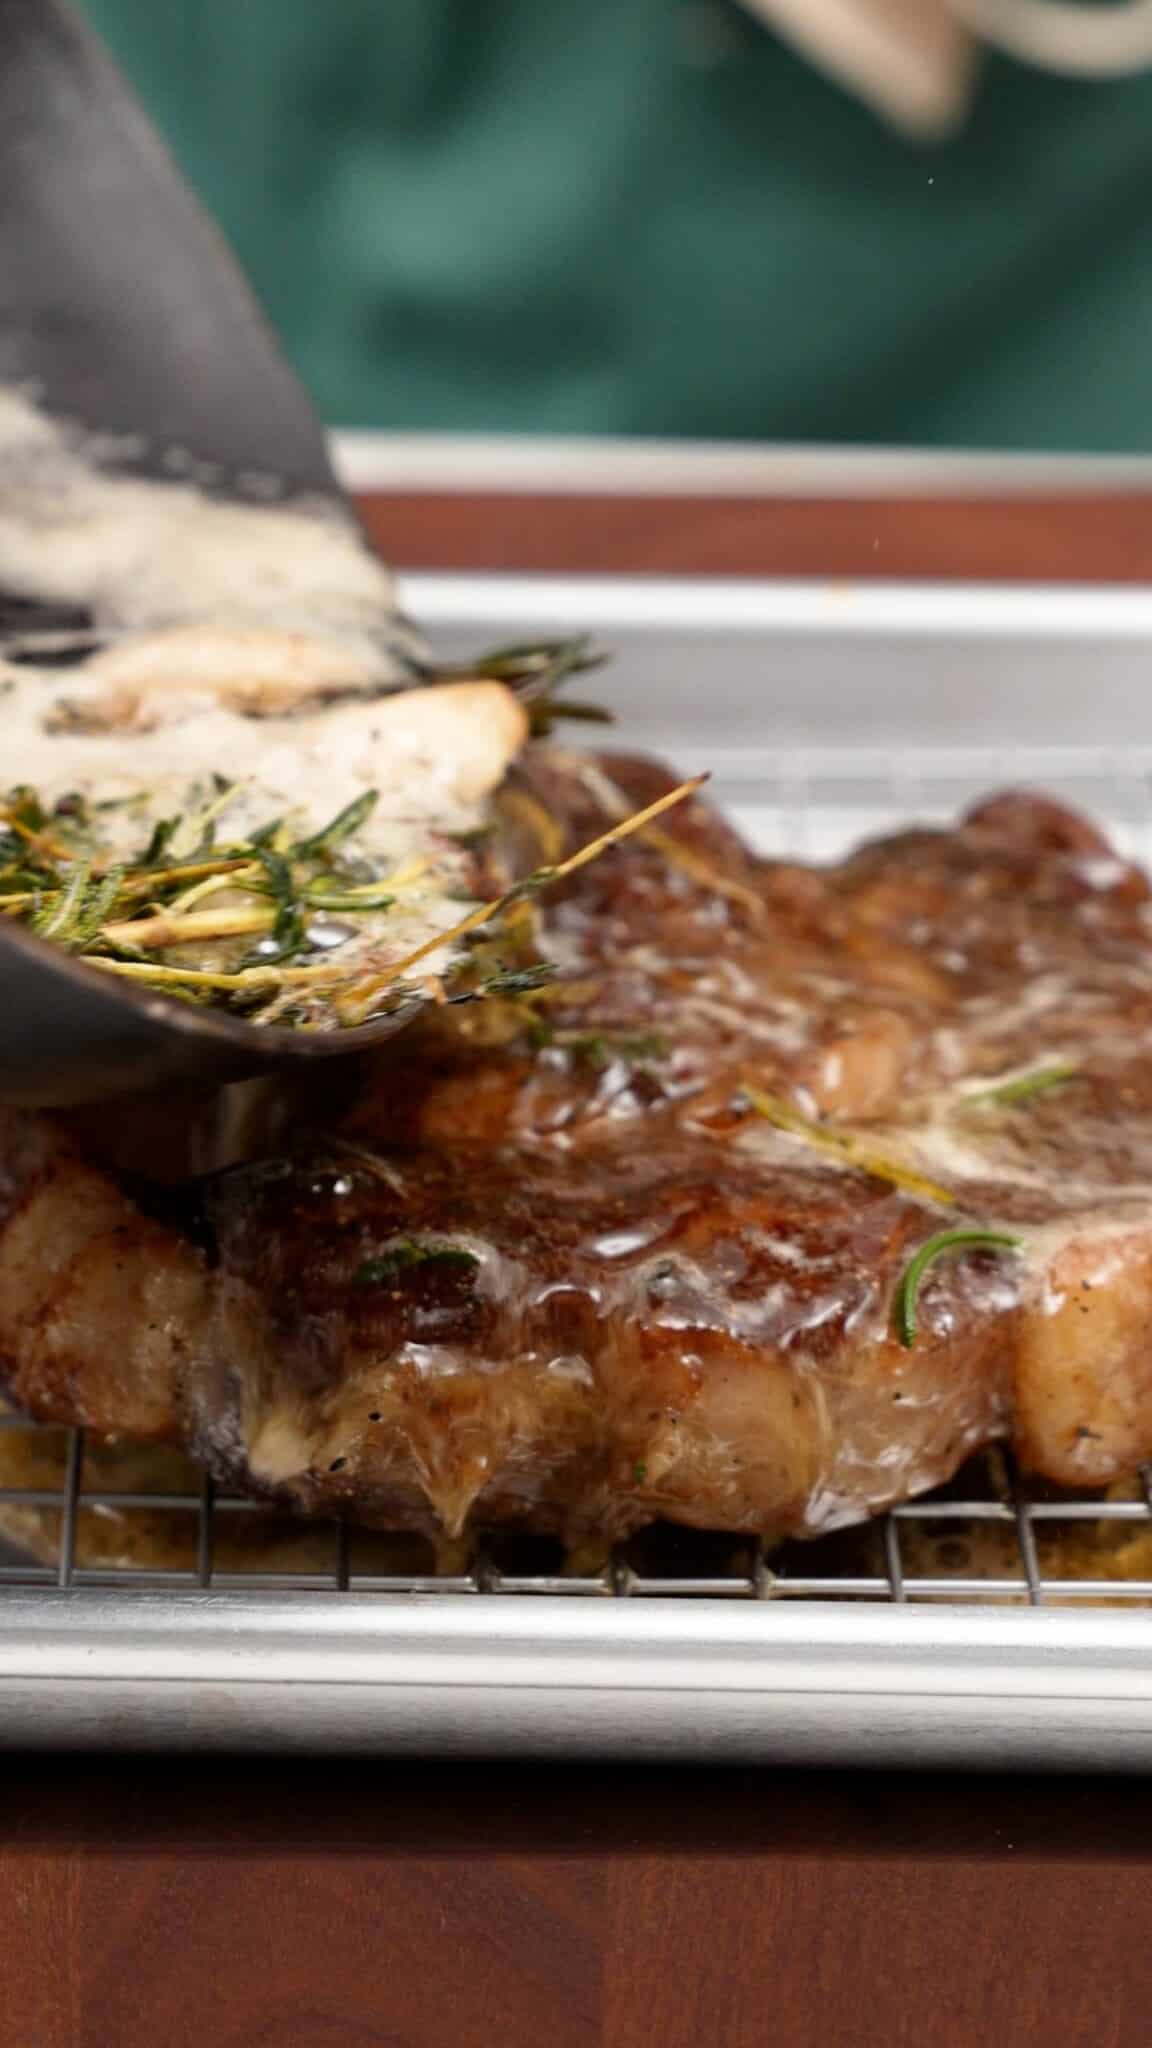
column 986, row 1537
column 921, row 1551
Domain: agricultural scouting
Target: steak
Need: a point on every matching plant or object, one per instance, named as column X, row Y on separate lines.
column 660, row 1238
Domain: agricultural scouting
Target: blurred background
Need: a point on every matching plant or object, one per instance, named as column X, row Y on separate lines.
column 896, row 222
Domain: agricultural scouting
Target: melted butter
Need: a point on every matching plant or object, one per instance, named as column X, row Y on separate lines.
column 433, row 755
column 227, row 629
column 1106, row 1242
column 281, row 1448
column 436, row 1361
column 720, row 1298
column 143, row 554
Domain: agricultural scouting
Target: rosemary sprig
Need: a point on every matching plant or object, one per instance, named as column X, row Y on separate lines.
column 117, row 914
column 535, row 670
column 405, row 1253
column 846, row 1146
column 904, row 1303
column 338, row 829
column 287, row 934
column 123, row 918
column 160, row 839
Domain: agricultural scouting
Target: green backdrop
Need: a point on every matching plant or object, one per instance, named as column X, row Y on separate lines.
column 647, row 216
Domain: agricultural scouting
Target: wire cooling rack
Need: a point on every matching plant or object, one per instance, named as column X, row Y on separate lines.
column 69, row 1518
column 986, row 1536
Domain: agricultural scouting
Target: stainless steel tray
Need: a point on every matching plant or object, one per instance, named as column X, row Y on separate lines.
column 955, row 1630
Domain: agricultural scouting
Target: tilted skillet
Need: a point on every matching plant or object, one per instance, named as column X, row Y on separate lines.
column 124, row 315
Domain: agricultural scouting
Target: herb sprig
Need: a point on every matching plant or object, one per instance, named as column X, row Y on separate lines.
column 535, row 671
column 407, row 1253
column 185, row 890
column 357, row 1005
column 123, row 918
column 967, row 1238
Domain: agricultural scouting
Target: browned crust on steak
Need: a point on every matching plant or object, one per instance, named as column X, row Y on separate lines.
column 552, row 1267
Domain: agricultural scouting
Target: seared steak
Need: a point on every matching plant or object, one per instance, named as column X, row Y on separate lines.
column 636, row 1244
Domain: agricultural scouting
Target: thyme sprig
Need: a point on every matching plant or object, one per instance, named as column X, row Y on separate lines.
column 323, row 844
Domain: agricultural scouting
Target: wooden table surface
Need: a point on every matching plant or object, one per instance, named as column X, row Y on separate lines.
column 336, row 1905
column 329, row 1905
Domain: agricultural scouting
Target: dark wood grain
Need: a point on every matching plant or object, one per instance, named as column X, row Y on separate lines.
column 865, row 1952
column 338, row 1906
column 149, row 1904
column 1094, row 539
